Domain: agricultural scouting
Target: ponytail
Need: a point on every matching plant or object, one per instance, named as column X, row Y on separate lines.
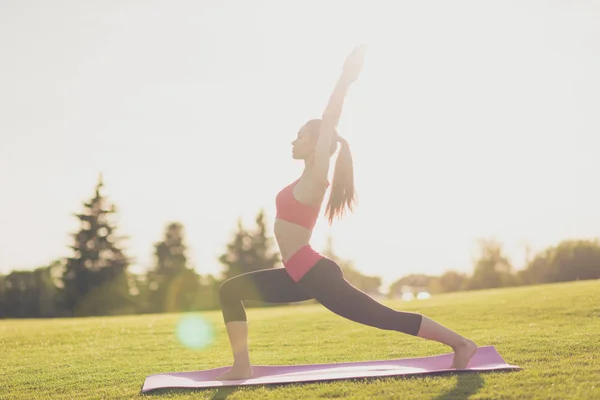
column 342, row 188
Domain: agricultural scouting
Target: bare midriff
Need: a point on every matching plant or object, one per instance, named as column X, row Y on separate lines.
column 290, row 237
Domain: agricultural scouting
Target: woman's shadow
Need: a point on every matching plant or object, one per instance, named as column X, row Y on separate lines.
column 467, row 384
column 223, row 393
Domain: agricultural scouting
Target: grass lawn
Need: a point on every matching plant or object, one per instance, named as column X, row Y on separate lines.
column 551, row 331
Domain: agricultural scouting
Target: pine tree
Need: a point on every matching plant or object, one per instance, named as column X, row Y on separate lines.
column 249, row 250
column 95, row 281
column 173, row 285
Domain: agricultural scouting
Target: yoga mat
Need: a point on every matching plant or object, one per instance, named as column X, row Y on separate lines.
column 485, row 359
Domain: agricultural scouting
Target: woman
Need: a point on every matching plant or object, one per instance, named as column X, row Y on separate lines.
column 307, row 274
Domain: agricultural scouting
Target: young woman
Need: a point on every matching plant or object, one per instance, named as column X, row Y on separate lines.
column 307, row 274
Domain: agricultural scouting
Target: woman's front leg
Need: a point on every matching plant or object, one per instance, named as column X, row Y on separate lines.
column 269, row 285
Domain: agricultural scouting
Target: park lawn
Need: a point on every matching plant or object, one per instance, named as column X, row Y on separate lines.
column 551, row 331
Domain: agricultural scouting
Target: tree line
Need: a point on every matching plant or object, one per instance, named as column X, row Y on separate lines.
column 95, row 279
column 570, row 260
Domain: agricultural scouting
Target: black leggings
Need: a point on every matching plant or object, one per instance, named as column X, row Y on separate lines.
column 325, row 283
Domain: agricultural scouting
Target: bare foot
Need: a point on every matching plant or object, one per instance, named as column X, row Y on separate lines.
column 463, row 353
column 236, row 373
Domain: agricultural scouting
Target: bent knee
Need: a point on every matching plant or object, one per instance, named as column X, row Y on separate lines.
column 227, row 290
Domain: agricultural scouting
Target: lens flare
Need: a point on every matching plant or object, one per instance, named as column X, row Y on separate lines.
column 194, row 332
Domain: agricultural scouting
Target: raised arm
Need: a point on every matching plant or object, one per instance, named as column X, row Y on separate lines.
column 331, row 115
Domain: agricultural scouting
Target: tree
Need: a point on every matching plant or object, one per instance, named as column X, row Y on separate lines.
column 492, row 269
column 449, row 281
column 208, row 296
column 568, row 261
column 249, row 250
column 368, row 284
column 21, row 295
column 32, row 294
column 173, row 286
column 49, row 286
column 95, row 281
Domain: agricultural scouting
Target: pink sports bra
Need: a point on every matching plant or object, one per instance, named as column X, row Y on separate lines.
column 291, row 210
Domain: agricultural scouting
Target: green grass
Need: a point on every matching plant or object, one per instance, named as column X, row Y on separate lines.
column 552, row 331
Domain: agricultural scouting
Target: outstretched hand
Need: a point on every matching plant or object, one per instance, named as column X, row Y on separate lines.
column 354, row 63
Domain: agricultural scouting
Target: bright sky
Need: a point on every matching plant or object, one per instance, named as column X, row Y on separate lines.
column 472, row 119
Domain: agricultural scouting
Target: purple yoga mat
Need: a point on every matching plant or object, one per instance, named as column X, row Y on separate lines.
column 485, row 359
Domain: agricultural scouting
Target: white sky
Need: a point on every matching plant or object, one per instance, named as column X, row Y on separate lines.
column 471, row 119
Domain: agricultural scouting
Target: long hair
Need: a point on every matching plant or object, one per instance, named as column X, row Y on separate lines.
column 342, row 194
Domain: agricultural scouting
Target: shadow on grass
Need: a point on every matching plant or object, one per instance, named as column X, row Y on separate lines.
column 221, row 393
column 467, row 384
